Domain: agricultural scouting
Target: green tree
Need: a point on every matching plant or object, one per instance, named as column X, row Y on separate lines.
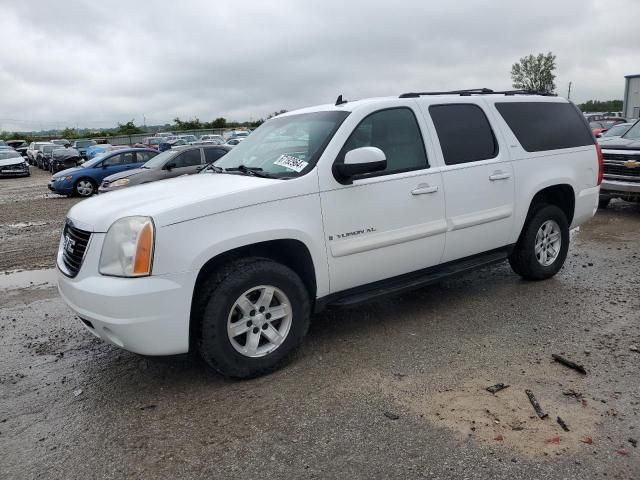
column 275, row 114
column 601, row 106
column 219, row 122
column 128, row 128
column 193, row 124
column 68, row 133
column 535, row 73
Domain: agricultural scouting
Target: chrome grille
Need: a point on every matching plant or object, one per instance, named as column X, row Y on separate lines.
column 621, row 157
column 74, row 246
column 615, row 169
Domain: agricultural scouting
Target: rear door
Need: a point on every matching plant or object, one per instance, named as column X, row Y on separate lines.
column 478, row 178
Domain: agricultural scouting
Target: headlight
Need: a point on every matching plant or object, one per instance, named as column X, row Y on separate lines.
column 128, row 248
column 64, row 179
column 123, row 182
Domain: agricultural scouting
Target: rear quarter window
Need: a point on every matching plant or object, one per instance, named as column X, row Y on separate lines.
column 541, row 126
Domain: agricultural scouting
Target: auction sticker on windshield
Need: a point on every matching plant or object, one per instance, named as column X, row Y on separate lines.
column 291, row 162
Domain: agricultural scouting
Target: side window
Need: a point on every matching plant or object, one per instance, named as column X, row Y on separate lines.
column 396, row 132
column 541, row 126
column 126, row 158
column 464, row 132
column 114, row 160
column 213, row 154
column 144, row 156
column 190, row 158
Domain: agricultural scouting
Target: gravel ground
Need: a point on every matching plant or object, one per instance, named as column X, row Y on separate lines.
column 394, row 389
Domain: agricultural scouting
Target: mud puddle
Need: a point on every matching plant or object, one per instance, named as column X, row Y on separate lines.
column 14, row 280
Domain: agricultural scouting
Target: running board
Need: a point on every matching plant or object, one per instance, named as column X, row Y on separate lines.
column 411, row 281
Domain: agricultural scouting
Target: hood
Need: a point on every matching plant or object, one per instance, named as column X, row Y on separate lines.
column 619, row 143
column 66, row 172
column 11, row 161
column 185, row 198
column 126, row 174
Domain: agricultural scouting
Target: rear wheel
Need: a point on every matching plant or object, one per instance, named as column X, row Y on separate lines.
column 543, row 244
column 84, row 187
column 253, row 314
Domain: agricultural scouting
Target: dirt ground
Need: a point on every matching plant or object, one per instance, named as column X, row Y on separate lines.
column 393, row 389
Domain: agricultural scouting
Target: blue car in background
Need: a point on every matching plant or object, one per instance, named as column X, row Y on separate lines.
column 96, row 150
column 83, row 181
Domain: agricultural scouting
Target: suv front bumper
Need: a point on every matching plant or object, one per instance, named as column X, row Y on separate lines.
column 147, row 315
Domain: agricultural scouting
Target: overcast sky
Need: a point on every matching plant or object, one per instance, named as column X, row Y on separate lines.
column 95, row 63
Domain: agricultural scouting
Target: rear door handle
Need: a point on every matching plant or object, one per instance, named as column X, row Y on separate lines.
column 499, row 176
column 424, row 188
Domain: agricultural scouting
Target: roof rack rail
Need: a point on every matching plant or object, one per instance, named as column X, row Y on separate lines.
column 477, row 91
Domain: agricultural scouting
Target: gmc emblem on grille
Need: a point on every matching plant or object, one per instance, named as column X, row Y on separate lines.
column 68, row 244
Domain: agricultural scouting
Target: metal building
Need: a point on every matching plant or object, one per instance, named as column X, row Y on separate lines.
column 631, row 105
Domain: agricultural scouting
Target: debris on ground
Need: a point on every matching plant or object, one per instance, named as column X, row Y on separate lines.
column 535, row 404
column 634, row 348
column 569, row 363
column 633, row 442
column 572, row 393
column 555, row 440
column 391, row 415
column 148, row 407
column 496, row 388
column 563, row 424
column 77, row 393
column 499, row 438
column 587, row 440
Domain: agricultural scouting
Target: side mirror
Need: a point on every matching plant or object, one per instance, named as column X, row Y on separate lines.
column 358, row 162
column 170, row 166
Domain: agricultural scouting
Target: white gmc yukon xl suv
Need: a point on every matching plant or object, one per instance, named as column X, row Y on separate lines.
column 329, row 206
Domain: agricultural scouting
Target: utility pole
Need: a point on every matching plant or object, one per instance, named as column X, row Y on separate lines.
column 569, row 92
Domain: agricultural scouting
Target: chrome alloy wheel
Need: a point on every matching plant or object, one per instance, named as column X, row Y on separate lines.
column 85, row 188
column 548, row 242
column 259, row 321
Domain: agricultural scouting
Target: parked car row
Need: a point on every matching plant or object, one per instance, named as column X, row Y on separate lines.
column 127, row 167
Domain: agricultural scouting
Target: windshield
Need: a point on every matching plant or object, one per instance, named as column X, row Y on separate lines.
column 286, row 146
column 95, row 160
column 84, row 143
column 50, row 148
column 634, row 132
column 616, row 131
column 4, row 154
column 160, row 159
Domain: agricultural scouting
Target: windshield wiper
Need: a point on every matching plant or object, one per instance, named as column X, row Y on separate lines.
column 211, row 166
column 253, row 171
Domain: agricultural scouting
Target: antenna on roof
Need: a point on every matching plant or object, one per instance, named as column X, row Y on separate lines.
column 340, row 101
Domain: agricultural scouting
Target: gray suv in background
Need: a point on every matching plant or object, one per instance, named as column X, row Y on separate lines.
column 168, row 164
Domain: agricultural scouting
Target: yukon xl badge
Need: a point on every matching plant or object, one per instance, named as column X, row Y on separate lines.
column 339, row 236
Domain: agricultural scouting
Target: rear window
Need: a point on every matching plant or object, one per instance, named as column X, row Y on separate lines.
column 541, row 126
column 464, row 132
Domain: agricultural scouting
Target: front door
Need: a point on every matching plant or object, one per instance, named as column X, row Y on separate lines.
column 391, row 222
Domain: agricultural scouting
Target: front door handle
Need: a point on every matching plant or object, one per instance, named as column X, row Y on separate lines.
column 499, row 175
column 424, row 188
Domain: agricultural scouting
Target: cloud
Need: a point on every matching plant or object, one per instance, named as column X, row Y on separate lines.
column 69, row 63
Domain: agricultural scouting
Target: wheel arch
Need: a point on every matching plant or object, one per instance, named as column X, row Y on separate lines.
column 561, row 195
column 290, row 252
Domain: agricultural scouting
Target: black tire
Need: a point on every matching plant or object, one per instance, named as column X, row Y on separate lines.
column 214, row 305
column 523, row 259
column 84, row 194
column 604, row 202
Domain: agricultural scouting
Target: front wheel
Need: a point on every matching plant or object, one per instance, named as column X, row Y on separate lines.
column 253, row 314
column 84, row 187
column 543, row 244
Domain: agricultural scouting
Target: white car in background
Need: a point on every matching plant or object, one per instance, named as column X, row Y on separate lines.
column 614, row 132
